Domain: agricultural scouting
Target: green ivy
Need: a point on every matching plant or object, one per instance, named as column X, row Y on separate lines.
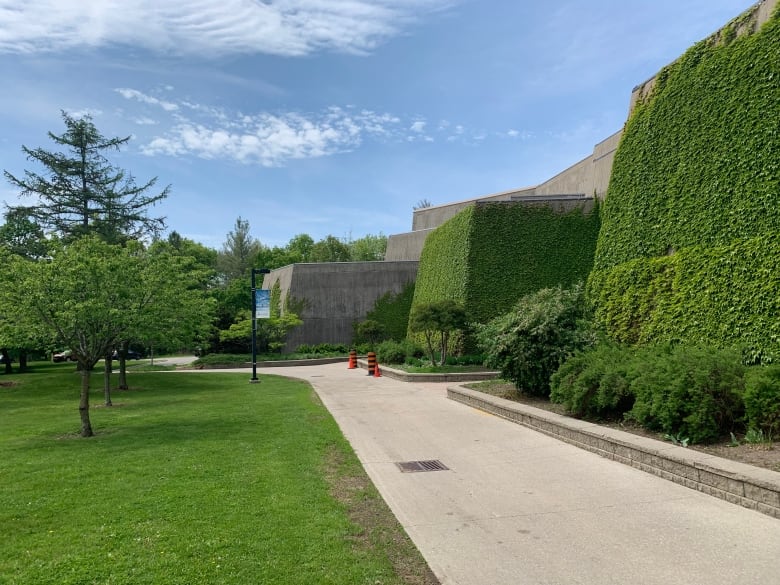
column 688, row 249
column 491, row 254
column 392, row 312
column 724, row 295
column 699, row 160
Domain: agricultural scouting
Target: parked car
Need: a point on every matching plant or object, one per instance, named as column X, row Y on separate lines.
column 131, row 355
column 63, row 356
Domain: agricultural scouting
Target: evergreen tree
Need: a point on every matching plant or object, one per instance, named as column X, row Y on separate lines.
column 238, row 252
column 81, row 192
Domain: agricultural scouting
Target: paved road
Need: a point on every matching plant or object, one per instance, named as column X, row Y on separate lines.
column 517, row 507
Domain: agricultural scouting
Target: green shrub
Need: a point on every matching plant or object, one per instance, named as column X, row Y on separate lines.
column 529, row 343
column 322, row 348
column 465, row 360
column 595, row 383
column 762, row 400
column 396, row 352
column 370, row 332
column 690, row 392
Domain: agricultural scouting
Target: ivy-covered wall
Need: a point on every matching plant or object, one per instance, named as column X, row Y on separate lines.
column 391, row 310
column 491, row 254
column 691, row 222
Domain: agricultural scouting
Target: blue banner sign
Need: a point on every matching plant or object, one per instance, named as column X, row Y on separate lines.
column 262, row 304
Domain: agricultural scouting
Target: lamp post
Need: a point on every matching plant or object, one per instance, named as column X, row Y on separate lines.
column 255, row 271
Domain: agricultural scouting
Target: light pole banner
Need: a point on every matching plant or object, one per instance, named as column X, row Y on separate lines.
column 262, row 304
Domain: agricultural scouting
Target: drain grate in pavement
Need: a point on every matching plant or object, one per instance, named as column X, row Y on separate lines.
column 413, row 466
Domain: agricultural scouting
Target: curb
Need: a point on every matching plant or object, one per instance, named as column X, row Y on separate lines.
column 748, row 486
column 389, row 372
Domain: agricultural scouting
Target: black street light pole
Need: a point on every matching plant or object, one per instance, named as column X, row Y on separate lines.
column 254, row 321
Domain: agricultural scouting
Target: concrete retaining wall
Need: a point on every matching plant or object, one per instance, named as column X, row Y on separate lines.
column 336, row 295
column 752, row 487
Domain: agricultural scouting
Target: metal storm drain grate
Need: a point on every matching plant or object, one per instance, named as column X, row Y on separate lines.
column 413, row 466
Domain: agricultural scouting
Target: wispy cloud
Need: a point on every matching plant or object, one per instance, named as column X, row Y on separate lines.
column 207, row 27
column 186, row 128
column 133, row 94
column 271, row 139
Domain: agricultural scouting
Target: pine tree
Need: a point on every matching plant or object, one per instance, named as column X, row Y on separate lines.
column 81, row 192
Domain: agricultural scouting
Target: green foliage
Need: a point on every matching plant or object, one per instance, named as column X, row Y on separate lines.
column 392, row 312
column 238, row 253
column 368, row 248
column 397, row 352
column 688, row 249
column 81, row 193
column 271, row 333
column 686, row 392
column 465, row 360
column 323, row 349
column 490, row 255
column 762, row 400
column 437, row 319
column 595, row 383
column 725, row 295
column 692, row 392
column 529, row 343
column 370, row 332
column 330, row 249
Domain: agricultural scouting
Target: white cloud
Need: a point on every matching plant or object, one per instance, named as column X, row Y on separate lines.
column 207, row 27
column 144, row 121
column 132, row 94
column 270, row 139
column 418, row 126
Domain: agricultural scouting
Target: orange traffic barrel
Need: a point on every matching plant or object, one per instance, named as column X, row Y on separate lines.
column 352, row 359
column 371, row 362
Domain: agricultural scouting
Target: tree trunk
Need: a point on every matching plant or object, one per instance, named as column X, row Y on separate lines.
column 123, row 365
column 6, row 360
column 107, row 380
column 23, row 360
column 86, row 425
column 444, row 341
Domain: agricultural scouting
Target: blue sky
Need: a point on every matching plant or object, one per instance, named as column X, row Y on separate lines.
column 333, row 116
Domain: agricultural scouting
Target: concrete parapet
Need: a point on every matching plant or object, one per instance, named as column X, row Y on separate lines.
column 752, row 487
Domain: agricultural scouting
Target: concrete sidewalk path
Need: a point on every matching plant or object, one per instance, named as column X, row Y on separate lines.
column 518, row 507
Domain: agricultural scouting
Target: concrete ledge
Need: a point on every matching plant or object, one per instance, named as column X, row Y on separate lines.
column 407, row 377
column 311, row 362
column 752, row 487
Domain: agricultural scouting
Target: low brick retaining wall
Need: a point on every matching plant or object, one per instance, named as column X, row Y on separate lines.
column 451, row 377
column 752, row 487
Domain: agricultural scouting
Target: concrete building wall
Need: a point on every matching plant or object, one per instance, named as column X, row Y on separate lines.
column 406, row 246
column 433, row 217
column 337, row 294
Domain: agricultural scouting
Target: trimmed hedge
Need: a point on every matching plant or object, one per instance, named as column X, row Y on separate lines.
column 689, row 244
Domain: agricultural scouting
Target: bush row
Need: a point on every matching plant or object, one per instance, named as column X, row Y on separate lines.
column 696, row 392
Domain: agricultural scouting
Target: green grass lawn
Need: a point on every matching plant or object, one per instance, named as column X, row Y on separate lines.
column 191, row 478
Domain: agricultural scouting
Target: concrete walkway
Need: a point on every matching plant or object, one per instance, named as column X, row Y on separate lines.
column 518, row 507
